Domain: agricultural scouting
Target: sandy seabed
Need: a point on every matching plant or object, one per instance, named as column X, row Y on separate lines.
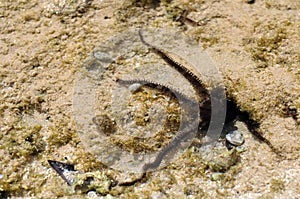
column 254, row 44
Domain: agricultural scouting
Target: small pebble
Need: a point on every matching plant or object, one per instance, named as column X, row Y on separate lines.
column 235, row 138
column 1, row 176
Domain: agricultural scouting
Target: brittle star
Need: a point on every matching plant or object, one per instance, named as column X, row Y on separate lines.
column 194, row 78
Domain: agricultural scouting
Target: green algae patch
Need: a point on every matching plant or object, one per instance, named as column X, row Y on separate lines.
column 266, row 51
column 220, row 159
column 277, row 185
column 142, row 102
column 19, row 146
column 194, row 190
column 60, row 135
column 24, row 140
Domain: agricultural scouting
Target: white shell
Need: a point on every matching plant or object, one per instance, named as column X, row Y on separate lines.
column 235, row 138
